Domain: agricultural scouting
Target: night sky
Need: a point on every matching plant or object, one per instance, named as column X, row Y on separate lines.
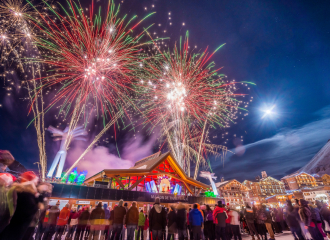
column 281, row 46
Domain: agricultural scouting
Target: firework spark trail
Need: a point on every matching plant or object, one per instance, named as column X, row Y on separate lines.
column 17, row 34
column 185, row 95
column 109, row 124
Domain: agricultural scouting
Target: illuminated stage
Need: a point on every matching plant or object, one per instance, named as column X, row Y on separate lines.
column 158, row 175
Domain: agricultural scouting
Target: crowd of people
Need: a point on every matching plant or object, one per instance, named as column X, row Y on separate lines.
column 25, row 214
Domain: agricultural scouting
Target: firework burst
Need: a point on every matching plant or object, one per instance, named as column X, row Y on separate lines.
column 91, row 60
column 186, row 95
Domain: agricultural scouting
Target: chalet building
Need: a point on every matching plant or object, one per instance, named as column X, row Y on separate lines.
column 317, row 193
column 318, row 180
column 299, row 180
column 233, row 192
column 264, row 187
column 279, row 199
column 326, row 180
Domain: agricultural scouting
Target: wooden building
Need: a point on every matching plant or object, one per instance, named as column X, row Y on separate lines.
column 264, row 188
column 234, row 192
column 158, row 173
column 298, row 181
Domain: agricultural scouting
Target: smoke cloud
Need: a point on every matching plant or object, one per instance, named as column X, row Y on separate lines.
column 100, row 157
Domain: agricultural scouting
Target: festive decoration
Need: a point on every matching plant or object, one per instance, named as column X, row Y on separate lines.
column 210, row 176
column 210, row 194
column 64, row 136
column 81, row 177
column 72, row 176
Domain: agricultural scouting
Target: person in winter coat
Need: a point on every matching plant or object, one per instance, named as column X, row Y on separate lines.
column 53, row 215
column 292, row 219
column 196, row 220
column 111, row 222
column 132, row 220
column 30, row 197
column 8, row 199
column 316, row 218
column 171, row 223
column 119, row 213
column 145, row 228
column 234, row 224
column 157, row 220
column 142, row 219
column 62, row 221
column 261, row 219
column 106, row 220
column 73, row 219
column 97, row 222
column 181, row 223
column 208, row 224
column 82, row 223
column 325, row 214
column 306, row 217
column 249, row 215
column 220, row 216
column 268, row 223
column 228, row 227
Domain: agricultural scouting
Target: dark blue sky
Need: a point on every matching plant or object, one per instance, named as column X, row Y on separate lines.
column 281, row 46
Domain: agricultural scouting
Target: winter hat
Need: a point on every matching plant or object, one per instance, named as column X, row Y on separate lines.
column 58, row 203
column 157, row 200
column 6, row 158
column 7, row 178
column 28, row 177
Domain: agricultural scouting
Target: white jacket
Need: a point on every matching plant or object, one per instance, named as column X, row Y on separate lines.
column 234, row 217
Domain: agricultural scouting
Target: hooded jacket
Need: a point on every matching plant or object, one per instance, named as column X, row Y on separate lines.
column 54, row 212
column 181, row 217
column 142, row 219
column 97, row 217
column 196, row 217
column 171, row 218
column 249, row 215
column 292, row 217
column 146, row 224
column 63, row 217
column 132, row 215
column 220, row 216
column 316, row 217
column 73, row 218
column 305, row 213
column 84, row 217
column 234, row 217
column 119, row 213
column 26, row 208
column 157, row 218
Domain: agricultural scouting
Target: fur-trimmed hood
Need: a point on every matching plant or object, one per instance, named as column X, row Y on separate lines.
column 25, row 187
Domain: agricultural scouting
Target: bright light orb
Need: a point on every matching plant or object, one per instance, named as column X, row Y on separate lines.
column 268, row 112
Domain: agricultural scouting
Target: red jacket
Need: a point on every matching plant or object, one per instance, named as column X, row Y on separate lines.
column 63, row 217
column 146, row 224
column 228, row 220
